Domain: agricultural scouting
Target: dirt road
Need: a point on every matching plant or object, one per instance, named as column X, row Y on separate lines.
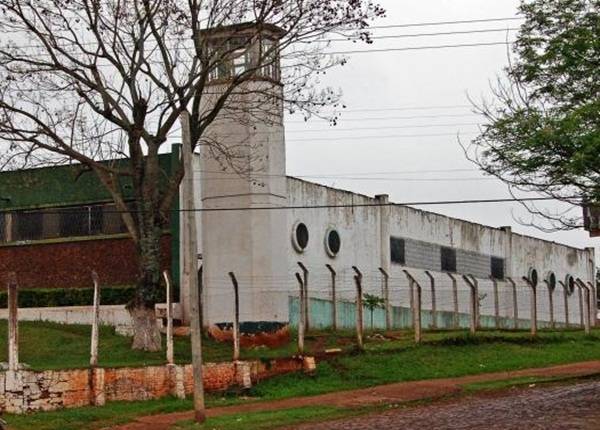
column 572, row 407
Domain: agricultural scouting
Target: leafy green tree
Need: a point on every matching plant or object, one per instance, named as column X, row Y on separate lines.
column 543, row 126
column 372, row 302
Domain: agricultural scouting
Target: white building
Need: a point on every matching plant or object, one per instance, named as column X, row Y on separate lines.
column 261, row 223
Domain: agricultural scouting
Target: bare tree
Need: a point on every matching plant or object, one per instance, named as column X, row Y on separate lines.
column 95, row 81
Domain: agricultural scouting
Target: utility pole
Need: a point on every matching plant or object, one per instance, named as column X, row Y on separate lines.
column 190, row 263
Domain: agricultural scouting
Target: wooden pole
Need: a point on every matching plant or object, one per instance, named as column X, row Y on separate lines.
column 386, row 298
column 455, row 318
column 550, row 302
column 496, row 303
column 416, row 305
column 474, row 301
column 533, row 305
column 515, row 303
column 169, row 294
column 95, row 321
column 333, row 296
column 306, row 302
column 434, row 324
column 236, row 318
column 301, row 315
column 359, row 307
column 13, row 322
column 190, row 271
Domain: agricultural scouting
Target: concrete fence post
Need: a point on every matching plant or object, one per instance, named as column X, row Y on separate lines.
column 434, row 315
column 515, row 303
column 474, row 302
column 456, row 315
column 169, row 299
column 301, row 314
column 333, row 296
column 550, row 302
column 565, row 301
column 533, row 311
column 416, row 305
column 236, row 317
column 496, row 303
column 386, row 298
column 587, row 314
column 593, row 304
column 306, row 302
column 358, row 277
column 581, row 314
column 95, row 321
column 13, row 322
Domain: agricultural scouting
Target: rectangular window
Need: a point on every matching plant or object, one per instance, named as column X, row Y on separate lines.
column 398, row 250
column 3, row 232
column 497, row 268
column 30, row 225
column 448, row 259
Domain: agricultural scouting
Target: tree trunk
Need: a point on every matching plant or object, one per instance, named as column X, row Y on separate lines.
column 146, row 333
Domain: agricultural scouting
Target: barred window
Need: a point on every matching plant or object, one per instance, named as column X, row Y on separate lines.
column 398, row 250
column 448, row 259
column 497, row 268
column 76, row 221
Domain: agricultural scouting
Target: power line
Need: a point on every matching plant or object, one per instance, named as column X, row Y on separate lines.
column 383, row 128
column 385, row 136
column 397, row 118
column 360, row 178
column 409, row 108
column 443, row 33
column 342, row 175
column 434, row 23
column 417, row 48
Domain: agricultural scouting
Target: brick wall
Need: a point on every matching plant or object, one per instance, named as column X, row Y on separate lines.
column 28, row 391
column 68, row 264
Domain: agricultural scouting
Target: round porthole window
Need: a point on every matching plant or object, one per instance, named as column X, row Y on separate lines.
column 533, row 277
column 300, row 236
column 333, row 242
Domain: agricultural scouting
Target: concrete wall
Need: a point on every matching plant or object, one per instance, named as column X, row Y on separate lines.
column 364, row 232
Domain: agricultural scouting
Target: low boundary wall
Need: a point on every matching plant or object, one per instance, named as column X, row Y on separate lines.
column 26, row 391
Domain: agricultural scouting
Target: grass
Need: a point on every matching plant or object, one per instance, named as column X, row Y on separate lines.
column 267, row 420
column 45, row 346
column 442, row 354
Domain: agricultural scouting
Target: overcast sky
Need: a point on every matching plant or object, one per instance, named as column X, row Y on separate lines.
column 412, row 82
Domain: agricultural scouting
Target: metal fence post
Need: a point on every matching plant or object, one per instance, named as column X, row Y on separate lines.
column 169, row 297
column 236, row 317
column 515, row 303
column 434, row 315
column 566, row 302
column 533, row 305
column 13, row 322
column 587, row 314
column 386, row 298
column 455, row 317
column 333, row 296
column 593, row 305
column 474, row 301
column 301, row 315
column 581, row 314
column 416, row 305
column 496, row 303
column 306, row 302
column 359, row 307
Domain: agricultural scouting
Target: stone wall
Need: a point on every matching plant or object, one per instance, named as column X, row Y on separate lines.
column 29, row 391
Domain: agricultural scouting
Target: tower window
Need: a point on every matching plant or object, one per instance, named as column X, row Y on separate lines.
column 300, row 236
column 333, row 243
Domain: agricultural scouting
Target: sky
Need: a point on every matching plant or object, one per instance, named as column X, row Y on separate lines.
column 384, row 156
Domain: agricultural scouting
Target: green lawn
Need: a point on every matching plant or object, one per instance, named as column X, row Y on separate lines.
column 441, row 355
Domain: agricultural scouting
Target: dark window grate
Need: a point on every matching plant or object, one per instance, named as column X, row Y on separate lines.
column 448, row 259
column 398, row 250
column 497, row 268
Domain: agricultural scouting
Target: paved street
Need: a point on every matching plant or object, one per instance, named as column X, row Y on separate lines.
column 574, row 407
